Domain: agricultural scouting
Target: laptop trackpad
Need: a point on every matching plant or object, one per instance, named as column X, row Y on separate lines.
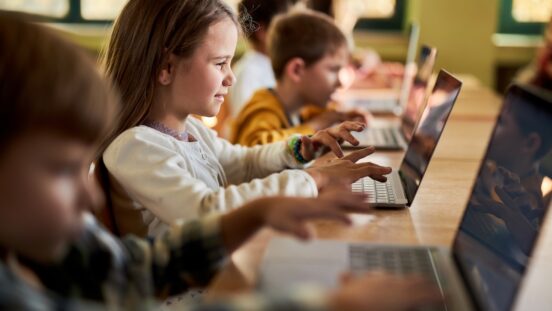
column 289, row 262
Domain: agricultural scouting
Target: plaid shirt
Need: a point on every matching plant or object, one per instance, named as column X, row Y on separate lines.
column 101, row 272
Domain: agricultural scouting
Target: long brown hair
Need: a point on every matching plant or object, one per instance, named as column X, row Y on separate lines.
column 145, row 33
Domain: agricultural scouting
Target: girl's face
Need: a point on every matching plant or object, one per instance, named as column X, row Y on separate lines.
column 199, row 84
column 44, row 190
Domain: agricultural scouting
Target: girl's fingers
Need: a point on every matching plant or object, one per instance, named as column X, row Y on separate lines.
column 359, row 154
column 346, row 135
column 379, row 178
column 373, row 168
column 373, row 171
column 330, row 142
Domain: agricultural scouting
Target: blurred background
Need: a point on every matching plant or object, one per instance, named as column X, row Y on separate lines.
column 488, row 39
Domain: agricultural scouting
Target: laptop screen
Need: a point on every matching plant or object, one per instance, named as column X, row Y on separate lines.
column 508, row 201
column 428, row 131
column 418, row 91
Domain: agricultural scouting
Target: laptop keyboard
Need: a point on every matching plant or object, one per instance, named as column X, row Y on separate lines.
column 379, row 105
column 398, row 261
column 378, row 192
column 381, row 137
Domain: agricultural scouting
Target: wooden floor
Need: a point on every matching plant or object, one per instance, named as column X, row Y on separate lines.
column 435, row 213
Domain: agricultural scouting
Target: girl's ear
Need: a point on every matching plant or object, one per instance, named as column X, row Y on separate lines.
column 166, row 75
column 295, row 69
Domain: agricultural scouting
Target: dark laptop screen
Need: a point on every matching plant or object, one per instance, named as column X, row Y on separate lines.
column 508, row 201
column 428, row 130
column 418, row 90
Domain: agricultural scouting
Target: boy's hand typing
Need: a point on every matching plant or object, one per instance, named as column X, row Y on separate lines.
column 330, row 117
column 290, row 214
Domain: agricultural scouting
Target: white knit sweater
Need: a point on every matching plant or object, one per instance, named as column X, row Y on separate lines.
column 170, row 179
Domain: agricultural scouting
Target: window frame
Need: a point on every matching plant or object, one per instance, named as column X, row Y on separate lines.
column 394, row 23
column 73, row 16
column 507, row 24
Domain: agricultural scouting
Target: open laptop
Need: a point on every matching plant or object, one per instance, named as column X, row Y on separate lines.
column 390, row 102
column 396, row 136
column 484, row 268
column 401, row 186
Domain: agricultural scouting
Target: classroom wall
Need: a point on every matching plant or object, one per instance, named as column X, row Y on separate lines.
column 462, row 31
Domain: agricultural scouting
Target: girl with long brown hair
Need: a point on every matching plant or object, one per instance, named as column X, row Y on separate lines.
column 171, row 59
column 55, row 108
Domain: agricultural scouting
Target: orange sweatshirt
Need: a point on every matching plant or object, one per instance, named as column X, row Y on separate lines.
column 263, row 120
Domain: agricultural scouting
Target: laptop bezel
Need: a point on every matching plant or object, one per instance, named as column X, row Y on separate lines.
column 403, row 182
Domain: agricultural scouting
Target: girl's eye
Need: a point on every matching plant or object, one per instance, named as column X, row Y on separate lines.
column 221, row 65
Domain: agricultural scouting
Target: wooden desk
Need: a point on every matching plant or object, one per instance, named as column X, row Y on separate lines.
column 434, row 215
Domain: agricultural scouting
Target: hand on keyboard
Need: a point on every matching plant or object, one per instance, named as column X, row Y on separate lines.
column 291, row 215
column 346, row 170
column 330, row 138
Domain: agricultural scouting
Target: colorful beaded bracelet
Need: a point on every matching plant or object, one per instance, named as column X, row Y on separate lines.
column 294, row 145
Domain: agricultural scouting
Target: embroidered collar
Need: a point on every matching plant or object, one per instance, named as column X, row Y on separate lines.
column 156, row 125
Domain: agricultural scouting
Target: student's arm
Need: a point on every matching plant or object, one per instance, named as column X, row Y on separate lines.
column 162, row 181
column 243, row 164
column 187, row 255
column 190, row 253
column 264, row 127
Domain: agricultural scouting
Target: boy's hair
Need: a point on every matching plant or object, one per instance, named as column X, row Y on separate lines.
column 144, row 34
column 533, row 117
column 49, row 84
column 253, row 13
column 305, row 34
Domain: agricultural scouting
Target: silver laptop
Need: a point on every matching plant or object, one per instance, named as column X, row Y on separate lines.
column 485, row 267
column 396, row 136
column 401, row 186
column 392, row 104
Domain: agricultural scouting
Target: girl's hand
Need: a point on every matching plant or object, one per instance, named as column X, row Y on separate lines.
column 330, row 138
column 346, row 170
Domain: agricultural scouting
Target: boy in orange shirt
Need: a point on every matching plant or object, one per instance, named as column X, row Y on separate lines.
column 307, row 50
